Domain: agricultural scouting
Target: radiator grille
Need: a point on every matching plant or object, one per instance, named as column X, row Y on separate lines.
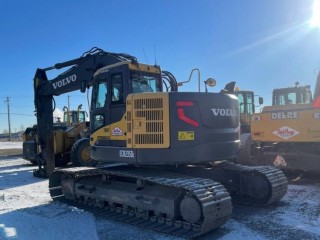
column 148, row 138
column 151, row 115
column 148, row 120
column 148, row 103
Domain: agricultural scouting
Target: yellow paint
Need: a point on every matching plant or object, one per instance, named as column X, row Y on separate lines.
column 144, row 125
column 292, row 123
column 148, row 120
column 108, row 132
column 132, row 66
column 143, row 68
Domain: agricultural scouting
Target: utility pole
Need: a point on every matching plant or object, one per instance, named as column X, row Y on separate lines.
column 9, row 122
column 69, row 117
column 69, row 102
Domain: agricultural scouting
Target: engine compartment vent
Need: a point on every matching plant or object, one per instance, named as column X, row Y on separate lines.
column 148, row 121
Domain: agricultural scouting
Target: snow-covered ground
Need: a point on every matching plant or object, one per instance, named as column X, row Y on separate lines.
column 27, row 212
column 10, row 145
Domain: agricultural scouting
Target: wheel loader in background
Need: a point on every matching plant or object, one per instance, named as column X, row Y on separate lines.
column 74, row 116
column 167, row 155
column 287, row 134
column 71, row 140
column 247, row 108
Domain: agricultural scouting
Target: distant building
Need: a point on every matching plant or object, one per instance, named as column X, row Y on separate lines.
column 17, row 136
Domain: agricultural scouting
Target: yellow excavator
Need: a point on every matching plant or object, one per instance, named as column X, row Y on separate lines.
column 287, row 134
column 166, row 157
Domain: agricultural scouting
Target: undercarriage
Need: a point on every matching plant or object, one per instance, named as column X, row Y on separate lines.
column 293, row 156
column 167, row 202
column 184, row 201
column 250, row 185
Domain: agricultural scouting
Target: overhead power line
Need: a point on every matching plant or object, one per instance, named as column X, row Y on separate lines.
column 20, row 114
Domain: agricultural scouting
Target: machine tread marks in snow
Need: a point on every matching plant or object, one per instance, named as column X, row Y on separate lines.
column 200, row 205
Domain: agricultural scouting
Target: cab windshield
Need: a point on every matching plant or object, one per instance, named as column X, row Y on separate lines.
column 246, row 102
column 300, row 95
column 74, row 116
column 145, row 82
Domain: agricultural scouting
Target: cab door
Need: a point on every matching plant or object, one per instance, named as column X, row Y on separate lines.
column 100, row 109
column 118, row 110
column 108, row 109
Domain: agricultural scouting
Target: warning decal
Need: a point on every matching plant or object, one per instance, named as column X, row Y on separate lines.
column 186, row 135
column 117, row 132
column 279, row 161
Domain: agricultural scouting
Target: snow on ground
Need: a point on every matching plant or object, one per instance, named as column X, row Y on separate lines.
column 27, row 212
column 11, row 145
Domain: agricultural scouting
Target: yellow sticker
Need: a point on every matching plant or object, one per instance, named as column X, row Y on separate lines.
column 186, row 135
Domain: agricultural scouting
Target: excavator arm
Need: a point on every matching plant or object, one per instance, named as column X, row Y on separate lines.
column 316, row 95
column 79, row 74
column 78, row 77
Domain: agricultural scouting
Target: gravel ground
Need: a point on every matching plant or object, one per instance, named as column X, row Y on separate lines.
column 27, row 212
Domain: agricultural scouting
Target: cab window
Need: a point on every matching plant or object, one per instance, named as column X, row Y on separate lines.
column 117, row 88
column 100, row 95
column 250, row 106
column 241, row 102
column 143, row 82
column 98, row 121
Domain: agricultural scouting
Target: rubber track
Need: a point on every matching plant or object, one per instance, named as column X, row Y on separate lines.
column 276, row 178
column 215, row 200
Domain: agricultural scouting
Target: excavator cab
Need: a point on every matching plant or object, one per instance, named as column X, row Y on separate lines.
column 247, row 108
column 74, row 117
column 110, row 89
column 292, row 95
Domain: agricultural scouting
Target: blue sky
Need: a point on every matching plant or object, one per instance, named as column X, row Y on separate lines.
column 261, row 45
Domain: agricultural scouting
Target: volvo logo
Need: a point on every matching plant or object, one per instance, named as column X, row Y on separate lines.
column 64, row 81
column 224, row 112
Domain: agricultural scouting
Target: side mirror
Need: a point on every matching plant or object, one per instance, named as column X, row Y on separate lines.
column 260, row 100
column 83, row 86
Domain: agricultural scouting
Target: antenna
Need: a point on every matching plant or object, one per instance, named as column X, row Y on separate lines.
column 155, row 54
column 145, row 56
